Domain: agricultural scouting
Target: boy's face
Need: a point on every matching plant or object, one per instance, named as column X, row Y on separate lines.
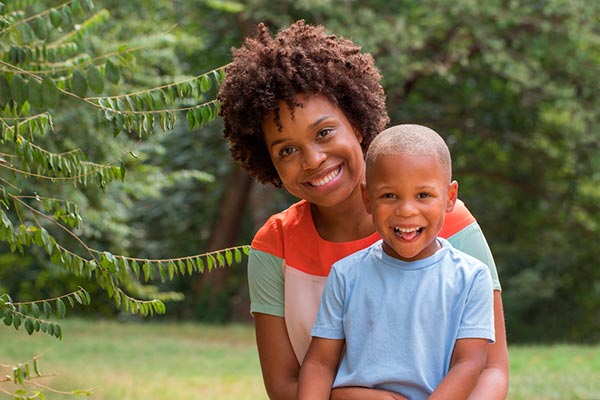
column 408, row 197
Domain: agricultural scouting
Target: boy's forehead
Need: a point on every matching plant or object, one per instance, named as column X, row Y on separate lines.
column 426, row 163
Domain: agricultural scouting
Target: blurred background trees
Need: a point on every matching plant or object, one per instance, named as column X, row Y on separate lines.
column 511, row 85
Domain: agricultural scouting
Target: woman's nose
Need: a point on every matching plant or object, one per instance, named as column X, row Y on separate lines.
column 313, row 157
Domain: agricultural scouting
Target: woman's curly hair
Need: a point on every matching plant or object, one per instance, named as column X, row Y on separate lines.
column 299, row 59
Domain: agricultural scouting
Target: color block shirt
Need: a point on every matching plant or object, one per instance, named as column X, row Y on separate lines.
column 289, row 263
column 400, row 320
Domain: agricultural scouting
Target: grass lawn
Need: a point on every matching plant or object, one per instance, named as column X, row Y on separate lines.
column 160, row 361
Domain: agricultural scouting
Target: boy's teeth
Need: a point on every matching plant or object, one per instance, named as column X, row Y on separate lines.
column 405, row 230
column 407, row 233
column 327, row 178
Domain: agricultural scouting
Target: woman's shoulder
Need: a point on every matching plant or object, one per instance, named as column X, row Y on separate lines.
column 274, row 229
column 457, row 220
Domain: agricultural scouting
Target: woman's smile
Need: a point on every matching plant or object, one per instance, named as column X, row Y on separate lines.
column 316, row 151
column 327, row 178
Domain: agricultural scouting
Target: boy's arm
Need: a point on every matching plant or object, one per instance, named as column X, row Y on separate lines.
column 468, row 360
column 319, row 368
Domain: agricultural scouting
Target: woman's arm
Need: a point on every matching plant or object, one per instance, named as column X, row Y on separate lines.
column 468, row 359
column 278, row 362
column 319, row 368
column 493, row 382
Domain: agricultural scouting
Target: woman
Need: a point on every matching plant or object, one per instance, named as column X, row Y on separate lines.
column 299, row 111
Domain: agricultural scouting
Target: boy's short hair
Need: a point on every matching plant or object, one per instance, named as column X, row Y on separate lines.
column 411, row 139
column 301, row 59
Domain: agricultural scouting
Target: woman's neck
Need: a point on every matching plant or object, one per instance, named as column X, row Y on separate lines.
column 345, row 222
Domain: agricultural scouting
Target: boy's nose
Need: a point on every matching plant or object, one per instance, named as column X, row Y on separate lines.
column 405, row 208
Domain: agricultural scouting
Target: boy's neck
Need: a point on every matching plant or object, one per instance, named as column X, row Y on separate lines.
column 344, row 222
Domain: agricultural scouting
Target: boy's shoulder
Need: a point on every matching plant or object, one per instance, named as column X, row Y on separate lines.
column 358, row 258
column 461, row 258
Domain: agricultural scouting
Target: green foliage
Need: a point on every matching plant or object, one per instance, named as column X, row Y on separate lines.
column 51, row 61
column 512, row 86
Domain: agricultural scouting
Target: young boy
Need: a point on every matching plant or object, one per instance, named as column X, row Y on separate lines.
column 415, row 314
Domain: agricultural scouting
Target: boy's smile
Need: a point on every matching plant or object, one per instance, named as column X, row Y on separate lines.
column 408, row 196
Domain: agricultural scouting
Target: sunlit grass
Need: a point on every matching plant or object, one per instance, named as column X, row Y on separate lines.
column 565, row 372
column 143, row 361
column 164, row 361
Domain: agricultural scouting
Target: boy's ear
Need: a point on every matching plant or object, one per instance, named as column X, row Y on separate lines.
column 452, row 196
column 365, row 197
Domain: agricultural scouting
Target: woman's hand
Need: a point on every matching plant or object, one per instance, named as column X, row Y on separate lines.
column 278, row 362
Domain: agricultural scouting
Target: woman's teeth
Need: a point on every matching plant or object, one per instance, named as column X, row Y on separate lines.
column 326, row 179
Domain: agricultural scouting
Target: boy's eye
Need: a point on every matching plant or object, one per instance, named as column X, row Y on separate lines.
column 389, row 196
column 423, row 195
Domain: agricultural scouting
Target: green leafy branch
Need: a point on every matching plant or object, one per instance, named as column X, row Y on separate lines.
column 26, row 374
column 109, row 271
column 141, row 111
column 28, row 313
column 34, row 26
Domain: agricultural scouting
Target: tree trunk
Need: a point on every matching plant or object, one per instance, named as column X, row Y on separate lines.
column 225, row 232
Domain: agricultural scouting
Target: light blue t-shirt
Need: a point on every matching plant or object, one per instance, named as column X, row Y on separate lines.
column 401, row 319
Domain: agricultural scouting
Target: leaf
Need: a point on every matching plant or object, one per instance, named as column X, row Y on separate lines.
column 4, row 91
column 47, row 309
column 79, row 84
column 8, row 319
column 39, row 28
column 122, row 170
column 16, row 321
column 28, row 326
column 61, row 309
column 49, row 92
column 35, row 310
column 27, row 34
column 205, row 83
column 136, row 269
column 112, row 72
column 35, row 93
column 146, row 268
column 78, row 298
column 56, row 18
column 18, row 89
column 95, row 80
column 57, row 331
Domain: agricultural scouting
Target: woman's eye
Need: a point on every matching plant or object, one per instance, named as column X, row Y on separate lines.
column 324, row 132
column 286, row 151
column 389, row 196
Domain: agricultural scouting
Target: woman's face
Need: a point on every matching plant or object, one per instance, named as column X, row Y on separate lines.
column 317, row 153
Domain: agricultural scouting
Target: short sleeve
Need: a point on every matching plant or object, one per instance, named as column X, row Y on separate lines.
column 477, row 320
column 330, row 317
column 265, row 283
column 470, row 240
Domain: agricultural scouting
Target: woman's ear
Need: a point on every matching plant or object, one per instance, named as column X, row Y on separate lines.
column 452, row 196
column 365, row 197
column 358, row 135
